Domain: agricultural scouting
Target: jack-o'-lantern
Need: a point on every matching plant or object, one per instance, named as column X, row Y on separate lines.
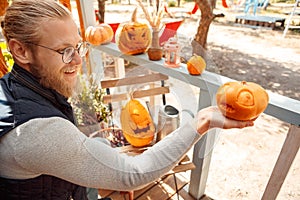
column 242, row 100
column 99, row 34
column 133, row 37
column 137, row 124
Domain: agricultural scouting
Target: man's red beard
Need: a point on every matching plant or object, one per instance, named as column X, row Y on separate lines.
column 53, row 80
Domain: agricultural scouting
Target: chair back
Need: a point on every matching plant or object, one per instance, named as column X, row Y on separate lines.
column 144, row 86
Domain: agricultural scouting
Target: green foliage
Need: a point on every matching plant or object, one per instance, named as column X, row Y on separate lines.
column 88, row 105
column 172, row 3
column 6, row 54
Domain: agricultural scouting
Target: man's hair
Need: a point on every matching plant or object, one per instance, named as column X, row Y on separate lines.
column 23, row 18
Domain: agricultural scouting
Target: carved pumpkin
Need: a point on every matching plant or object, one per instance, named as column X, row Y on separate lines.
column 196, row 65
column 242, row 100
column 99, row 34
column 133, row 37
column 137, row 125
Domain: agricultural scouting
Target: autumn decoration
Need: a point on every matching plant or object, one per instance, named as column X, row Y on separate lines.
column 196, row 65
column 242, row 100
column 99, row 34
column 154, row 14
column 133, row 37
column 137, row 124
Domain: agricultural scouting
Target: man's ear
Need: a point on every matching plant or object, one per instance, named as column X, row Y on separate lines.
column 19, row 51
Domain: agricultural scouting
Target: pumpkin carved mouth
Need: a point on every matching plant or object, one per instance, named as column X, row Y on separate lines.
column 227, row 107
column 245, row 98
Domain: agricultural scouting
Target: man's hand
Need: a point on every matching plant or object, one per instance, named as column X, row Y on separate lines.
column 211, row 117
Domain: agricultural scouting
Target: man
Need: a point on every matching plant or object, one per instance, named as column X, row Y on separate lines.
column 42, row 153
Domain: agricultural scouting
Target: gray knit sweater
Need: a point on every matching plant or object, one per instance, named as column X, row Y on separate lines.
column 54, row 146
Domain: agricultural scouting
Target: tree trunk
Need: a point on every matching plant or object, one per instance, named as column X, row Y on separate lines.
column 200, row 41
column 101, row 8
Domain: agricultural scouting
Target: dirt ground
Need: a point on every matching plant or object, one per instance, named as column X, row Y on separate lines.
column 242, row 161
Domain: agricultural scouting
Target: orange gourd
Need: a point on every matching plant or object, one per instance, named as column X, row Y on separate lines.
column 242, row 100
column 133, row 37
column 99, row 34
column 137, row 124
column 196, row 65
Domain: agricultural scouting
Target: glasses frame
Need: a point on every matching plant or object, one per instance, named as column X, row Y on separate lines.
column 82, row 53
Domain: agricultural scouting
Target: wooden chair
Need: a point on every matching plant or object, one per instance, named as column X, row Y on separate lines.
column 147, row 85
column 169, row 31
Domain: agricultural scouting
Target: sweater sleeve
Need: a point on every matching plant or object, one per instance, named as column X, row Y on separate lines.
column 54, row 146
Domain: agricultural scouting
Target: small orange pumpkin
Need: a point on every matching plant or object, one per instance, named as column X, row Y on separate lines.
column 196, row 65
column 242, row 100
column 99, row 34
column 133, row 37
column 137, row 124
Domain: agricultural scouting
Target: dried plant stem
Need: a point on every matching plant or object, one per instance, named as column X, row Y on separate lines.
column 154, row 18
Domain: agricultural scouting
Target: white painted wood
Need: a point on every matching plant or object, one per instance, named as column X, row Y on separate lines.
column 94, row 59
column 290, row 19
column 286, row 157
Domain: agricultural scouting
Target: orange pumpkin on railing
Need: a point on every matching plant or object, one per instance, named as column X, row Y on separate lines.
column 196, row 65
column 133, row 37
column 137, row 124
column 242, row 100
column 99, row 34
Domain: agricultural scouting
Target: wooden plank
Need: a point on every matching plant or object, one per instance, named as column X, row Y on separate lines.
column 105, row 193
column 163, row 189
column 261, row 18
column 183, row 167
column 136, row 94
column 263, row 21
column 283, row 164
column 133, row 80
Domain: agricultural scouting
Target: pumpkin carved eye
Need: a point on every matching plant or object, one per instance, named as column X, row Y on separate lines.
column 245, row 98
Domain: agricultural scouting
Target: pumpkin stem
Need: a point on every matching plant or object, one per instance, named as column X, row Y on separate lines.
column 130, row 95
column 133, row 16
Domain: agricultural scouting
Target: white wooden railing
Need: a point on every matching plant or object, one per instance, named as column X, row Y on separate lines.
column 281, row 107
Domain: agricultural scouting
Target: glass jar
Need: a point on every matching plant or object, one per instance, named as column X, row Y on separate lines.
column 172, row 53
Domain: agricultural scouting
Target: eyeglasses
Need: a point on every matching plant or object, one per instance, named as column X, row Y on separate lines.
column 69, row 52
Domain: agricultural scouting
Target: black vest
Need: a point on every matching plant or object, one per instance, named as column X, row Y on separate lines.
column 22, row 98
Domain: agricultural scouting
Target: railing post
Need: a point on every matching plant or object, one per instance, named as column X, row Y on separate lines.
column 202, row 154
column 285, row 159
column 94, row 60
